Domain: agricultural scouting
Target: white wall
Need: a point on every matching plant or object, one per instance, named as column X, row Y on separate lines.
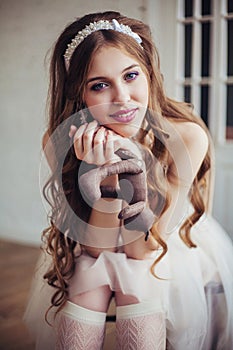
column 27, row 30
column 161, row 16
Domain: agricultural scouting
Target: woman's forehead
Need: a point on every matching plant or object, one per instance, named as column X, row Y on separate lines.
column 109, row 59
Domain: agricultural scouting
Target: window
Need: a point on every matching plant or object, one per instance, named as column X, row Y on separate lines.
column 205, row 62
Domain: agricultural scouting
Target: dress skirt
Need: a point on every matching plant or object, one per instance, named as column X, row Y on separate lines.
column 192, row 287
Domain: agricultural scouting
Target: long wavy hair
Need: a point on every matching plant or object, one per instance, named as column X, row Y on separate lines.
column 66, row 91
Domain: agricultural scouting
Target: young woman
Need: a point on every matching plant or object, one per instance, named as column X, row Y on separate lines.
column 129, row 194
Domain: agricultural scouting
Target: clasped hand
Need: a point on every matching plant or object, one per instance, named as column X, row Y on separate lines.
column 97, row 145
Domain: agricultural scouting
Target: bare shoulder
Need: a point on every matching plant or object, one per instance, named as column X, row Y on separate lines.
column 193, row 136
column 188, row 144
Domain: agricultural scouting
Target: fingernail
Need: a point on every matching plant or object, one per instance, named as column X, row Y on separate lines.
column 71, row 132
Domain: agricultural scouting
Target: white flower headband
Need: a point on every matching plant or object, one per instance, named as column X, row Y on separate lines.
column 93, row 27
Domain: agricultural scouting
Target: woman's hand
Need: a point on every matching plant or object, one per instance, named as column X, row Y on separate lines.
column 97, row 145
column 125, row 143
column 93, row 144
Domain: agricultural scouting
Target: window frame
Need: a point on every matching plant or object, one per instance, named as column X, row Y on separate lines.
column 218, row 78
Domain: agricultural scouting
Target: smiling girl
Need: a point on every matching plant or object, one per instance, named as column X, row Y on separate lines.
column 129, row 194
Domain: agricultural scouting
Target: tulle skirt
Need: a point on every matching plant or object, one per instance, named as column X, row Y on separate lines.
column 193, row 288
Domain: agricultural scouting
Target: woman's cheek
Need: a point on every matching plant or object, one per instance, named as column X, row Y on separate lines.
column 143, row 94
column 99, row 111
column 97, row 97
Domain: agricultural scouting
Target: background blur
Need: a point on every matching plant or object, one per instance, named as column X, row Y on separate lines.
column 194, row 39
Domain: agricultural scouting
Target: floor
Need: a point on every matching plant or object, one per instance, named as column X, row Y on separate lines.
column 17, row 263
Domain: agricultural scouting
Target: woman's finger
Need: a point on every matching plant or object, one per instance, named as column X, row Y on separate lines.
column 78, row 141
column 123, row 142
column 88, row 137
column 99, row 146
column 72, row 131
column 109, row 148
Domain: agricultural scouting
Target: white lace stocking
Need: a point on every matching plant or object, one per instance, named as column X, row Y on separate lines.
column 80, row 329
column 140, row 331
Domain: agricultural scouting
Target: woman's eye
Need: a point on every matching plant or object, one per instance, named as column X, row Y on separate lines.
column 98, row 86
column 131, row 75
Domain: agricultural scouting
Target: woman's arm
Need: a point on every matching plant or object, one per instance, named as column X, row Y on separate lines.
column 102, row 230
column 94, row 145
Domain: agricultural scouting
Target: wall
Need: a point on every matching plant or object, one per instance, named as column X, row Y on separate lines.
column 161, row 16
column 27, row 30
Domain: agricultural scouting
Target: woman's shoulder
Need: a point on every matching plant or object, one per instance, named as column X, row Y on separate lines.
column 191, row 134
column 188, row 144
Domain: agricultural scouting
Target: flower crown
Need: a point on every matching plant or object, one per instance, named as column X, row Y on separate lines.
column 93, row 27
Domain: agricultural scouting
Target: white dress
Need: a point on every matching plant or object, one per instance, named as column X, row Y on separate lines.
column 195, row 292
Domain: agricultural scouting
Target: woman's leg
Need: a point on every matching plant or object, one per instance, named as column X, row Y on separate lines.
column 95, row 300
column 139, row 326
column 81, row 323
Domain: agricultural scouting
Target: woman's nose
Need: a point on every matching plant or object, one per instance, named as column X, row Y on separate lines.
column 121, row 94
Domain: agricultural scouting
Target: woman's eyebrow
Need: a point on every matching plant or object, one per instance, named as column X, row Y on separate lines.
column 103, row 78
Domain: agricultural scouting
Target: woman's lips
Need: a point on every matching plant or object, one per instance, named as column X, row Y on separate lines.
column 124, row 116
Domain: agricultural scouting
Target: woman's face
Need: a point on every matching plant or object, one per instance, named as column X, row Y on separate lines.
column 116, row 91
